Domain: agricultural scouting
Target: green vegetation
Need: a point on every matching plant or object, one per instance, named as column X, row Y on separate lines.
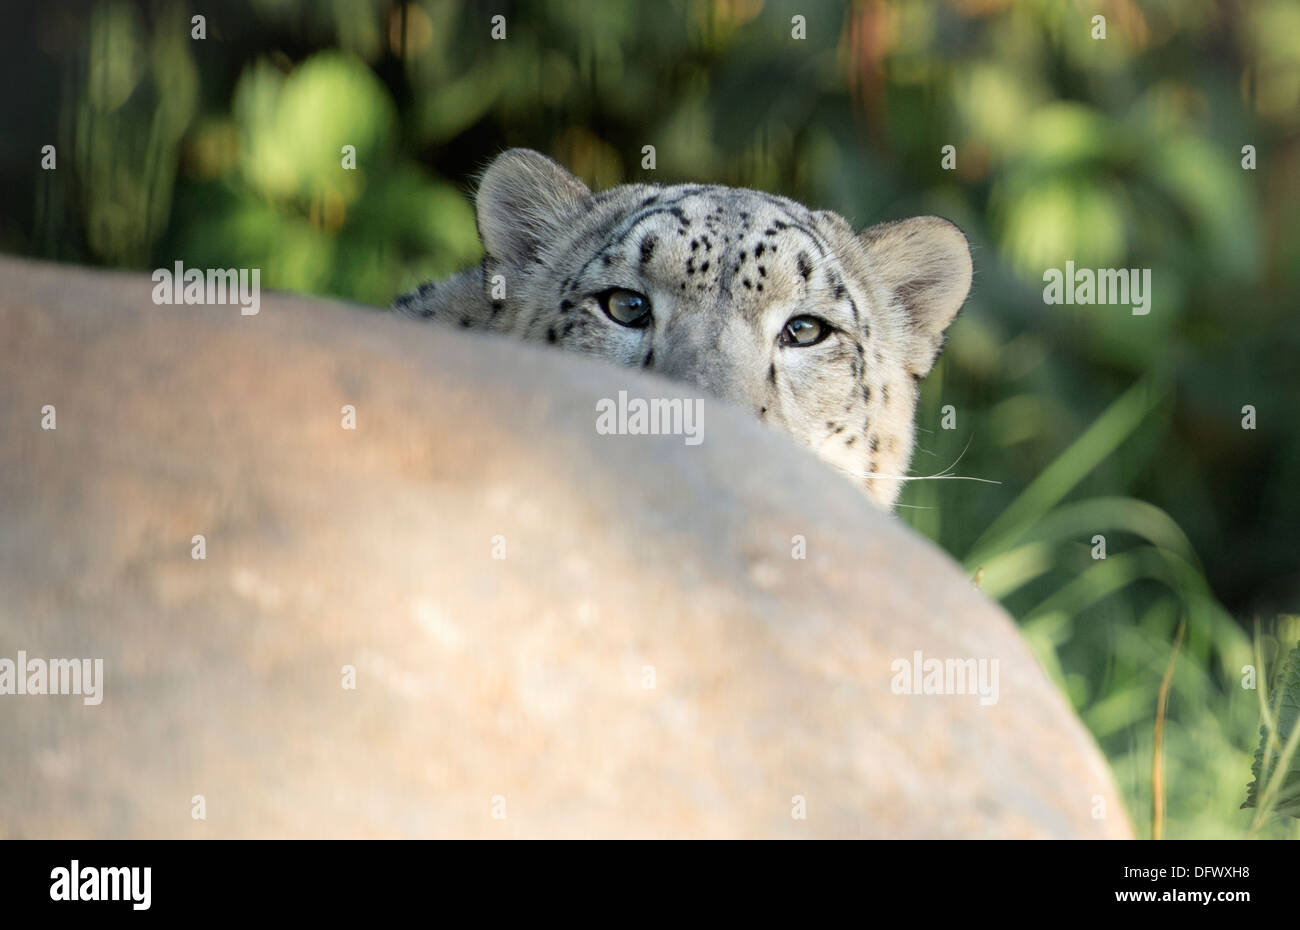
column 1125, row 152
column 1276, row 788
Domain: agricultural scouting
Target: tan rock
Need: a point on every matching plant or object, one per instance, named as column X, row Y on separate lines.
column 484, row 685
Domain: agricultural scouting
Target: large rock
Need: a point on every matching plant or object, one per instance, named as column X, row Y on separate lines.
column 647, row 660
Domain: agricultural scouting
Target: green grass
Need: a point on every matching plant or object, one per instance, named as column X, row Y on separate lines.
column 1104, row 630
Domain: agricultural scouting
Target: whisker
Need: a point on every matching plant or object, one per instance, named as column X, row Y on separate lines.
column 958, row 459
column 944, row 475
column 868, row 474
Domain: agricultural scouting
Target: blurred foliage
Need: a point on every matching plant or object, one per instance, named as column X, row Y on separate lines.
column 1122, row 152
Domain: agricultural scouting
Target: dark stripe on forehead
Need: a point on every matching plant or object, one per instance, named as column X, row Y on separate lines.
column 617, row 238
column 818, row 243
column 669, row 205
column 620, row 234
column 804, row 224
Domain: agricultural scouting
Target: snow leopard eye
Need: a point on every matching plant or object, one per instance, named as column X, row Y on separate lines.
column 627, row 308
column 804, row 331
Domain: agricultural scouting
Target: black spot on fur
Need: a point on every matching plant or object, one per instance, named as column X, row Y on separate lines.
column 875, row 444
column 851, row 440
column 771, row 373
column 550, row 334
column 695, row 244
column 704, row 267
column 566, row 305
column 759, row 250
column 748, row 283
column 606, row 259
column 649, row 359
column 804, row 264
column 465, row 322
column 769, row 231
column 648, row 247
column 496, row 307
column 762, row 271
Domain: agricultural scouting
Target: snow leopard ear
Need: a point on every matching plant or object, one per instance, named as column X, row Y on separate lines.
column 523, row 199
column 924, row 265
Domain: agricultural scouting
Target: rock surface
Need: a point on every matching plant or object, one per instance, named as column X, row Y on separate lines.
column 513, row 686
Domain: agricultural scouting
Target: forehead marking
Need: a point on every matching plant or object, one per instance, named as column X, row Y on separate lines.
column 620, row 234
column 657, row 204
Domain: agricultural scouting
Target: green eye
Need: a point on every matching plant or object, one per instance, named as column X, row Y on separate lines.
column 804, row 331
column 627, row 308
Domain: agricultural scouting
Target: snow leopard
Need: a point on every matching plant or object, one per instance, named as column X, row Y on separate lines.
column 820, row 330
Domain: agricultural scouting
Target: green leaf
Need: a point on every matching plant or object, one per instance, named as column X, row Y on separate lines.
column 1276, row 787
